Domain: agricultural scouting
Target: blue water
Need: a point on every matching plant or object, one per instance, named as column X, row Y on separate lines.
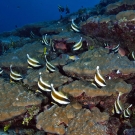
column 16, row 13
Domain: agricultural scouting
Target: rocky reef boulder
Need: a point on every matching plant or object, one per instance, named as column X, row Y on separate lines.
column 85, row 67
column 70, row 120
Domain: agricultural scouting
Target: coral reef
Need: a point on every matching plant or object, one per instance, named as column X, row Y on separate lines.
column 105, row 38
column 86, row 65
column 119, row 6
column 119, row 26
column 76, row 88
column 16, row 99
column 74, row 121
column 56, row 78
column 19, row 58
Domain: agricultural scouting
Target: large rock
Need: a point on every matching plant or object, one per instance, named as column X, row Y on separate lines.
column 18, row 58
column 14, row 99
column 85, row 67
column 55, row 78
column 69, row 120
column 76, row 88
column 121, row 5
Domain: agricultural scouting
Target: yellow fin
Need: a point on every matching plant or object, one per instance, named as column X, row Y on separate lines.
column 11, row 81
column 29, row 67
column 45, row 49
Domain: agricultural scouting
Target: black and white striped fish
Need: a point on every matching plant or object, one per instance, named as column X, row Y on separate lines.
column 59, row 97
column 118, row 106
column 49, row 66
column 115, row 49
column 44, row 86
column 111, row 48
column 127, row 112
column 78, row 45
column 14, row 75
column 131, row 56
column 44, row 40
column 32, row 35
column 32, row 62
column 99, row 81
column 74, row 26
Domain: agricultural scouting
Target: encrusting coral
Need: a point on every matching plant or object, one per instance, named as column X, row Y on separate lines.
column 58, row 120
column 15, row 98
column 85, row 67
column 76, row 88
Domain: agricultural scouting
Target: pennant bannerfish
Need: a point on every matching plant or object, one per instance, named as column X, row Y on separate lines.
column 60, row 8
column 99, row 81
column 49, row 66
column 32, row 34
column 112, row 48
column 118, row 107
column 127, row 112
column 131, row 56
column 115, row 49
column 42, row 84
column 59, row 97
column 32, row 62
column 78, row 45
column 15, row 76
column 74, row 26
column 44, row 40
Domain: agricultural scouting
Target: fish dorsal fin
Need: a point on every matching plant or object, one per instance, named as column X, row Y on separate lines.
column 14, row 72
column 78, row 43
column 127, row 112
column 58, row 97
column 129, row 106
column 128, row 109
column 73, row 23
column 119, row 103
column 99, row 79
column 133, row 54
column 58, row 93
column 74, row 26
column 43, row 82
column 99, row 73
column 32, row 59
column 49, row 65
column 120, row 93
